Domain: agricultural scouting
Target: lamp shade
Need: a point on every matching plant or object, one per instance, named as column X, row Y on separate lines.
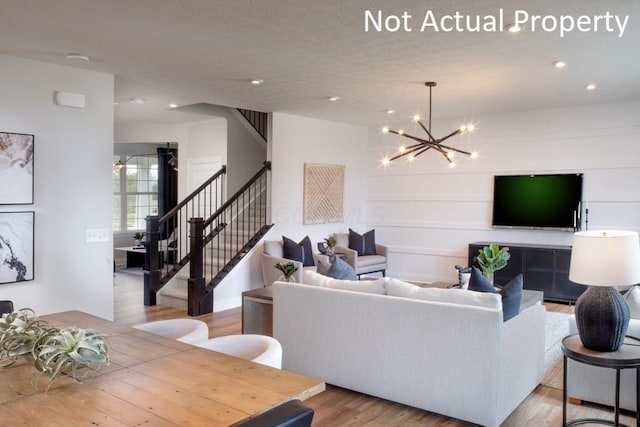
column 602, row 259
column 605, row 258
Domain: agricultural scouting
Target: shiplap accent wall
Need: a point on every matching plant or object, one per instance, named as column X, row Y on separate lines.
column 427, row 213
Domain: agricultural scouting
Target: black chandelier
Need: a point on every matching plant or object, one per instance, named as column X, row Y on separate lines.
column 413, row 151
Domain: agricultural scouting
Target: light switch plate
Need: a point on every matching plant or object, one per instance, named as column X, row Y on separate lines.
column 97, row 235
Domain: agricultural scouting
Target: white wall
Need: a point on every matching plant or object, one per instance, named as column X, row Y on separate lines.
column 298, row 140
column 428, row 213
column 244, row 152
column 72, row 164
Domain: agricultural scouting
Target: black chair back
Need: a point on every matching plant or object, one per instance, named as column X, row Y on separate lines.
column 6, row 306
column 290, row 414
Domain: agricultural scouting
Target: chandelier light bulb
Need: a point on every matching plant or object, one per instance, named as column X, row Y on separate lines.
column 452, row 165
column 385, row 129
column 451, row 155
column 386, row 161
column 474, row 155
column 400, row 132
column 411, row 158
column 401, row 149
column 416, row 118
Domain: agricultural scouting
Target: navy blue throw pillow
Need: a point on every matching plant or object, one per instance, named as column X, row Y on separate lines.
column 511, row 293
column 363, row 244
column 298, row 251
column 511, row 297
column 479, row 283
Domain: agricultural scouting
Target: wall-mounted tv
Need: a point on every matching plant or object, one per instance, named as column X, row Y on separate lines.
column 540, row 202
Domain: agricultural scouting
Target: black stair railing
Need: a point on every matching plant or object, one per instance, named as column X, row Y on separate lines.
column 257, row 119
column 167, row 238
column 211, row 246
column 219, row 242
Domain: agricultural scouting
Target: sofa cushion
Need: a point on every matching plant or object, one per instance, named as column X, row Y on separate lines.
column 367, row 260
column 633, row 301
column 298, row 251
column 511, row 293
column 399, row 288
column 341, row 270
column 363, row 244
column 367, row 286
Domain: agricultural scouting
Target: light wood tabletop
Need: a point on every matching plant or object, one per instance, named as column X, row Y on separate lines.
column 150, row 380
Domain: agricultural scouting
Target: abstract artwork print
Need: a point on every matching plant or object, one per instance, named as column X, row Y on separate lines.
column 16, row 168
column 16, row 246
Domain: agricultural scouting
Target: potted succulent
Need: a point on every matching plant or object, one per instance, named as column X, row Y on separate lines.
column 288, row 270
column 492, row 258
column 137, row 237
column 54, row 351
column 330, row 243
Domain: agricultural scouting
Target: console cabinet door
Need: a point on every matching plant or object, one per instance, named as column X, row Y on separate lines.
column 544, row 268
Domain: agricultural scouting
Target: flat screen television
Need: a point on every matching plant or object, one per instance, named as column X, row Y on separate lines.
column 542, row 202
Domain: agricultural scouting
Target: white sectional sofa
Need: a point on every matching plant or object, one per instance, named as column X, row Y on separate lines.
column 458, row 360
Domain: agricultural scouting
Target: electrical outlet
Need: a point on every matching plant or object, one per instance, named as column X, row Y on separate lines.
column 97, row 235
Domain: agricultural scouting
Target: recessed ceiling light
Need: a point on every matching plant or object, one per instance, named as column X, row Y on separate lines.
column 513, row 28
column 78, row 56
column 590, row 86
column 138, row 101
column 257, row 82
column 391, row 111
column 334, row 98
column 559, row 64
column 173, row 105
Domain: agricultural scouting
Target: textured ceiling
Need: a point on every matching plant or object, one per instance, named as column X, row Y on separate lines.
column 197, row 51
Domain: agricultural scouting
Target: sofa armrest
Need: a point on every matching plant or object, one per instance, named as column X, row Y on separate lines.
column 271, row 274
column 350, row 255
column 381, row 250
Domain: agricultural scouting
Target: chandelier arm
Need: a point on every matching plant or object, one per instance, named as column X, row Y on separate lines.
column 426, row 130
column 456, row 150
column 406, row 153
column 421, row 151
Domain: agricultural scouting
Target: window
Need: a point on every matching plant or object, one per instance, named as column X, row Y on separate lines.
column 135, row 192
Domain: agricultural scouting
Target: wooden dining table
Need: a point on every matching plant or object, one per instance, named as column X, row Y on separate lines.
column 150, row 380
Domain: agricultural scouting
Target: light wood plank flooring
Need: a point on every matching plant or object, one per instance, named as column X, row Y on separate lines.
column 340, row 407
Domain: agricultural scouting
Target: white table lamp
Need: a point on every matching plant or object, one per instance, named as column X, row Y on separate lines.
column 601, row 260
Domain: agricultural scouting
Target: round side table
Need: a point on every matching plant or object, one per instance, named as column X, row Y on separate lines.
column 627, row 357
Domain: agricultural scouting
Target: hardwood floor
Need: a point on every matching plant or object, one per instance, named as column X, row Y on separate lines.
column 340, row 407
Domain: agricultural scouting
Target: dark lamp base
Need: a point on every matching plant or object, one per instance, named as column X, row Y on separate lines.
column 602, row 317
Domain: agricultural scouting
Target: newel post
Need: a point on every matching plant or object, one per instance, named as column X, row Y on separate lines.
column 151, row 261
column 198, row 302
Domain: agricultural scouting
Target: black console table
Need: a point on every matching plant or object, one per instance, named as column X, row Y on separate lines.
column 544, row 268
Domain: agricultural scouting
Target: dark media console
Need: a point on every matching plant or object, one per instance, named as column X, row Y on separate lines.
column 544, row 268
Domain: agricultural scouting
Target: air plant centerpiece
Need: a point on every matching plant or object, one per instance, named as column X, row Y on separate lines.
column 288, row 270
column 54, row 351
column 330, row 243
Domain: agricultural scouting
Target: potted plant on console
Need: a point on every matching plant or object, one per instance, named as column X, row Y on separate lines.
column 137, row 237
column 492, row 258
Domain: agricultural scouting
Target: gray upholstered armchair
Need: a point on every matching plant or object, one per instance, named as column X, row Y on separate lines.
column 272, row 254
column 362, row 264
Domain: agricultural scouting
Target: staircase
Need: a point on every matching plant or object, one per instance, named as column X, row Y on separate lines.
column 211, row 238
column 176, row 294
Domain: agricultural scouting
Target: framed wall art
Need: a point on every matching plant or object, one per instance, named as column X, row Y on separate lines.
column 16, row 246
column 16, row 168
column 323, row 193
